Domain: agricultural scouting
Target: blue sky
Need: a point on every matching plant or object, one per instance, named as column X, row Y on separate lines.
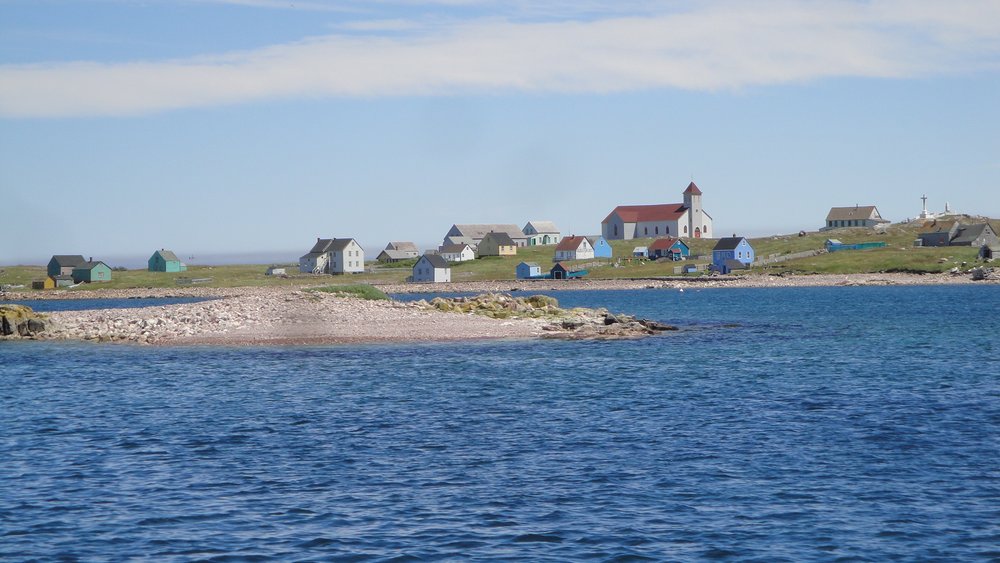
column 254, row 126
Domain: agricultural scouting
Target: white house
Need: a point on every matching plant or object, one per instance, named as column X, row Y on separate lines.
column 574, row 248
column 431, row 268
column 457, row 253
column 541, row 233
column 857, row 216
column 333, row 256
column 686, row 219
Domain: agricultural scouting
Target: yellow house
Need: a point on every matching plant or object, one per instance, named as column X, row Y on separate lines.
column 497, row 244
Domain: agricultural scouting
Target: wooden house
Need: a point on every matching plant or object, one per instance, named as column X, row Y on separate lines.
column 671, row 248
column 63, row 264
column 91, row 272
column 561, row 272
column 474, row 234
column 601, row 247
column 528, row 270
column 732, row 253
column 989, row 251
column 392, row 256
column 975, row 235
column 333, row 256
column 574, row 248
column 541, row 233
column 857, row 216
column 457, row 253
column 640, row 252
column 937, row 233
column 165, row 261
column 431, row 268
column 407, row 248
column 497, row 244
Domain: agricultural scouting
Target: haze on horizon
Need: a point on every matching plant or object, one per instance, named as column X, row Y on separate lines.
column 254, row 126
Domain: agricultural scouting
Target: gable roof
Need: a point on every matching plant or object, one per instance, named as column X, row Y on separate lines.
column 435, row 261
column 594, row 238
column 692, row 189
column 560, row 266
column 646, row 213
column 404, row 246
column 167, row 255
column 664, row 243
column 341, row 243
column 324, row 245
column 395, row 255
column 969, row 233
column 529, row 264
column 90, row 265
column 541, row 227
column 68, row 260
column 728, row 243
column 475, row 231
column 571, row 243
column 454, row 248
column 852, row 213
column 502, row 239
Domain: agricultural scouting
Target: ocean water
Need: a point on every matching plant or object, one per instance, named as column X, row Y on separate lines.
column 780, row 425
column 51, row 305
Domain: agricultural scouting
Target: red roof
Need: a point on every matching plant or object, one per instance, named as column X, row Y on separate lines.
column 570, row 243
column 663, row 243
column 644, row 213
column 692, row 189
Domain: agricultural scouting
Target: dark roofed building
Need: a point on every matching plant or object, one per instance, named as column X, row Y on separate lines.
column 974, row 235
column 63, row 264
column 857, row 216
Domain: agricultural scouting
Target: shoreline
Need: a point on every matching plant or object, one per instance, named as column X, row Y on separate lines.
column 295, row 316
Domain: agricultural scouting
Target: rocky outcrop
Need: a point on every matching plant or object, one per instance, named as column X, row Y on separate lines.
column 984, row 273
column 575, row 323
column 20, row 321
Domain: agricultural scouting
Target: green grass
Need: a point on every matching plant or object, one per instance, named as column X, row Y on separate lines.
column 899, row 255
column 362, row 291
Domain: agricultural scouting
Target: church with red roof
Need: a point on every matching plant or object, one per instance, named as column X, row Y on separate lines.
column 686, row 219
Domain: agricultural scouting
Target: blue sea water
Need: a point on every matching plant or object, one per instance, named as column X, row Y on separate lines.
column 50, row 305
column 781, row 425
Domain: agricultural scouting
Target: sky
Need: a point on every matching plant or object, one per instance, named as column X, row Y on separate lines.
column 251, row 127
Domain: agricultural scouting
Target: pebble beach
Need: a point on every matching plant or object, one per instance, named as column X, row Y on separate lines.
column 296, row 316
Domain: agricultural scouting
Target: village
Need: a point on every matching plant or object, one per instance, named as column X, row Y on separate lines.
column 664, row 233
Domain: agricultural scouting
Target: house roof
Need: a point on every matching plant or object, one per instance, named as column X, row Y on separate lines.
column 936, row 226
column 167, row 255
column 728, row 243
column 571, row 243
column 969, row 233
column 68, row 260
column 640, row 249
column 593, row 239
column 480, row 231
column 646, row 213
column 560, row 266
column 435, row 261
column 341, row 243
column 502, row 239
column 395, row 254
column 542, row 227
column 404, row 246
column 692, row 189
column 853, row 213
column 89, row 265
column 324, row 245
column 454, row 248
column 664, row 243
column 530, row 264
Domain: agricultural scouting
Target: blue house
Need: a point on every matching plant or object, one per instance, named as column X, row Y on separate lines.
column 732, row 253
column 528, row 270
column 601, row 247
column 165, row 261
column 673, row 248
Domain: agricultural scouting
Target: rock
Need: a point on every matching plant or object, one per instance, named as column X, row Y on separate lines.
column 656, row 326
column 20, row 321
column 610, row 319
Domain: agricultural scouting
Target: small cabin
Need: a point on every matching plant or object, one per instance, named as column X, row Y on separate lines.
column 275, row 271
column 561, row 272
column 165, row 261
column 528, row 270
column 91, row 272
column 669, row 248
column 640, row 252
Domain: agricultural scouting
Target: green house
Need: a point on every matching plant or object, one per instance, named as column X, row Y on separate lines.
column 92, row 272
column 166, row 261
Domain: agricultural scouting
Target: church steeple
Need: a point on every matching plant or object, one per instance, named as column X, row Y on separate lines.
column 696, row 220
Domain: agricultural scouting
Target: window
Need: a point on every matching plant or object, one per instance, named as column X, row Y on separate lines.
column 657, row 230
column 645, row 230
column 616, row 230
column 685, row 229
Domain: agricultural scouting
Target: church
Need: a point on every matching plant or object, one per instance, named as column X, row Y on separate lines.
column 679, row 220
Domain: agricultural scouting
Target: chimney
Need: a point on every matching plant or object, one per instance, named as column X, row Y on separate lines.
column 91, row 259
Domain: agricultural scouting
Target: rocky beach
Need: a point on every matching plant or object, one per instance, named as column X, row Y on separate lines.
column 299, row 315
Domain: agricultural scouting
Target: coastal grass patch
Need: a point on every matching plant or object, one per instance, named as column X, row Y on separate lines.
column 359, row 290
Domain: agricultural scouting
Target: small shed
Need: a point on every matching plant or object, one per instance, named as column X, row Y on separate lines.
column 62, row 281
column 561, row 272
column 431, row 268
column 47, row 283
column 989, row 251
column 165, row 261
column 275, row 271
column 92, row 272
column 640, row 252
column 528, row 270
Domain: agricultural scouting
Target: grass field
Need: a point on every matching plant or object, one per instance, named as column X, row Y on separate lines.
column 899, row 255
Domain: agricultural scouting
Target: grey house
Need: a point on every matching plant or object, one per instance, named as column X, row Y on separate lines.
column 63, row 264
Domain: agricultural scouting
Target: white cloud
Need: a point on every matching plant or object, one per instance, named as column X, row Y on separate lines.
column 712, row 46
